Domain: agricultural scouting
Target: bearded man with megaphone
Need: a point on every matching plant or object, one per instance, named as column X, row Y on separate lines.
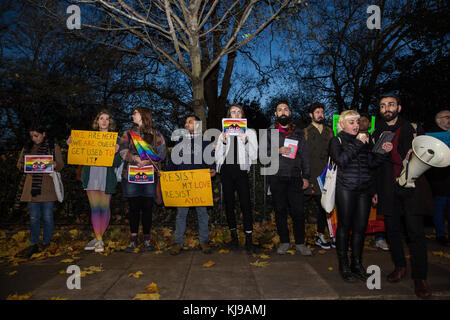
column 408, row 201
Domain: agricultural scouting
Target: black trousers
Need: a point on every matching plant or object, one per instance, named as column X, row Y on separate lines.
column 287, row 192
column 321, row 215
column 233, row 179
column 416, row 234
column 353, row 209
column 141, row 208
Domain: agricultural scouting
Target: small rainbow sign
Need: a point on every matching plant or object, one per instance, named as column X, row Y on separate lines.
column 140, row 175
column 234, row 126
column 38, row 164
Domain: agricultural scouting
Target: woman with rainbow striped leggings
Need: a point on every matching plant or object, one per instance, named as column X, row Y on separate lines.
column 100, row 183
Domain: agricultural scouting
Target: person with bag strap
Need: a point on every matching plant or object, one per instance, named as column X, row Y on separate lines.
column 38, row 189
column 142, row 195
column 100, row 184
column 352, row 153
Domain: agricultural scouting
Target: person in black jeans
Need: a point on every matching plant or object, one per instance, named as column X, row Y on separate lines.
column 234, row 156
column 354, row 191
column 292, row 177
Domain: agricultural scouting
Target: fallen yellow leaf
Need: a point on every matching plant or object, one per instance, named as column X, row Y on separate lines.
column 330, row 268
column 19, row 297
column 224, row 251
column 58, row 298
column 209, row 264
column 136, row 274
column 152, row 288
column 62, row 271
column 321, row 251
column 147, row 296
column 12, row 273
column 67, row 260
column 158, row 252
column 136, row 250
column 291, row 252
column 261, row 264
column 438, row 253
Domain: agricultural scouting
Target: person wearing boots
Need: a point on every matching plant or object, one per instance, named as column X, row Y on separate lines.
column 234, row 156
column 292, row 177
column 397, row 203
column 318, row 136
column 352, row 153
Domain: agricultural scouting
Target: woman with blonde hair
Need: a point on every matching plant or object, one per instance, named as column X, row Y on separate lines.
column 351, row 151
column 141, row 196
column 100, row 183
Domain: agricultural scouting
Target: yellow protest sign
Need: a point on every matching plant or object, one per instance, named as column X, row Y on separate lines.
column 186, row 188
column 92, row 148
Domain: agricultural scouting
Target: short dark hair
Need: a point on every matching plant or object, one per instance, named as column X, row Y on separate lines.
column 282, row 102
column 193, row 116
column 390, row 94
column 365, row 115
column 316, row 105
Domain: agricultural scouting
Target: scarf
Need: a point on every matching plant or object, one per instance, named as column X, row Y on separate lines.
column 36, row 182
column 287, row 132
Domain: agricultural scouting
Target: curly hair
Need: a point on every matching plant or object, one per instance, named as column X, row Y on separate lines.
column 112, row 124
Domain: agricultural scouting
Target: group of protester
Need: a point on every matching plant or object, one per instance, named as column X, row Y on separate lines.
column 364, row 178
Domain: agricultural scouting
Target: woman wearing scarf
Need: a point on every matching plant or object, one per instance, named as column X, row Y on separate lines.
column 38, row 188
column 140, row 196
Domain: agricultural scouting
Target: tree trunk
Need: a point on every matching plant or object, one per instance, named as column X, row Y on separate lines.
column 199, row 105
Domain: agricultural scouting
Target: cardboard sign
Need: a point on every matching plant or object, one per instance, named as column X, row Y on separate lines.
column 92, row 148
column 234, row 127
column 140, row 175
column 186, row 188
column 38, row 164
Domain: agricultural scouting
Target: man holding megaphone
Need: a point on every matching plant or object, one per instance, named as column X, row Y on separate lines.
column 405, row 200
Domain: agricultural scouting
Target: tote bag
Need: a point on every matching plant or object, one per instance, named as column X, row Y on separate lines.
column 59, row 187
column 329, row 187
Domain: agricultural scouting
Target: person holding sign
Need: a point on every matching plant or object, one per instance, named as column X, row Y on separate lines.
column 439, row 179
column 192, row 152
column 234, row 155
column 38, row 189
column 291, row 179
column 352, row 152
column 140, row 147
column 100, row 183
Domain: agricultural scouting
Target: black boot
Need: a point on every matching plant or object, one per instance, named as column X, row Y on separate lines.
column 234, row 244
column 28, row 252
column 249, row 243
column 356, row 267
column 344, row 268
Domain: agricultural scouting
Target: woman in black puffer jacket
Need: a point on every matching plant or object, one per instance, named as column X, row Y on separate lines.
column 354, row 191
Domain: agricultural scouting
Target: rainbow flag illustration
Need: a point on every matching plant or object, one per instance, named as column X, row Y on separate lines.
column 144, row 150
column 234, row 126
column 38, row 164
column 140, row 175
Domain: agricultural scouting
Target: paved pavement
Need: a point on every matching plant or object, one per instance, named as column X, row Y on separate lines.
column 183, row 277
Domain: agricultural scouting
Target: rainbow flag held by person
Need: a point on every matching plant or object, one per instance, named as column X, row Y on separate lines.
column 144, row 150
column 234, row 126
column 140, row 175
column 38, row 164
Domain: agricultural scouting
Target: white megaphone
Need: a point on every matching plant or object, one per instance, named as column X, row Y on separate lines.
column 427, row 152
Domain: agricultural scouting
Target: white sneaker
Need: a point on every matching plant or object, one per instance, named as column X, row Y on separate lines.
column 382, row 245
column 91, row 245
column 283, row 248
column 321, row 242
column 304, row 250
column 99, row 246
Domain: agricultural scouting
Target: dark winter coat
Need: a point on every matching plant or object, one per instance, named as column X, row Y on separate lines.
column 293, row 168
column 355, row 161
column 385, row 177
column 317, row 144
